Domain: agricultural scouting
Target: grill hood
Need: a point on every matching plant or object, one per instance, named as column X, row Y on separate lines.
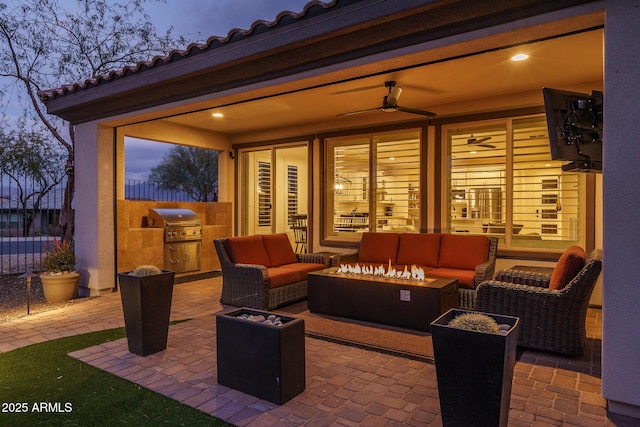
column 162, row 218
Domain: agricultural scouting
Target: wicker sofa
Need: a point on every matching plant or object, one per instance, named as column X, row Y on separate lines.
column 469, row 258
column 552, row 307
column 263, row 272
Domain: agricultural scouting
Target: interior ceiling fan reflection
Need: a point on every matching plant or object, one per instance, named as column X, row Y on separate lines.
column 390, row 103
column 480, row 142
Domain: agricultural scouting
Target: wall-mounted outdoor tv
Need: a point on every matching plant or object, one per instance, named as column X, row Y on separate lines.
column 575, row 128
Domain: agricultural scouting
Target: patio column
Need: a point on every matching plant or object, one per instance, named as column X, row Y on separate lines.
column 621, row 239
column 94, row 208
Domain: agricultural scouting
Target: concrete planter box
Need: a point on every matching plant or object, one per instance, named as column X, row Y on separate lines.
column 474, row 371
column 146, row 305
column 259, row 359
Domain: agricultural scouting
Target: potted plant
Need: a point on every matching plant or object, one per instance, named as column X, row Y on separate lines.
column 475, row 357
column 146, row 294
column 59, row 276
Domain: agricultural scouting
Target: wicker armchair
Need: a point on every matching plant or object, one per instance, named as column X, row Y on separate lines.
column 247, row 285
column 550, row 320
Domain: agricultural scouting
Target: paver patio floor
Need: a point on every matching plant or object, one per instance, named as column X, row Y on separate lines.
column 345, row 385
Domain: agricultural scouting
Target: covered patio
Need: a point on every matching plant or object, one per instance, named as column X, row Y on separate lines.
column 288, row 80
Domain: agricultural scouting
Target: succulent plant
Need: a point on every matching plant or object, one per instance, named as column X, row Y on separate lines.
column 475, row 322
column 60, row 258
column 145, row 270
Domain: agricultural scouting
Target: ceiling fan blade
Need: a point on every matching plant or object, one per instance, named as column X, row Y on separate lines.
column 415, row 111
column 486, row 145
column 478, row 141
column 425, row 89
column 356, row 89
column 390, row 103
column 352, row 113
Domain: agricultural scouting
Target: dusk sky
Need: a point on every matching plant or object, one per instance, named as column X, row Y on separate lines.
column 198, row 20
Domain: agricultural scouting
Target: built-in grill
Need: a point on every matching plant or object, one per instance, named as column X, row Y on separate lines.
column 182, row 237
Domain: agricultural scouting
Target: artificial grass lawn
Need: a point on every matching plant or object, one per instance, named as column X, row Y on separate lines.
column 51, row 388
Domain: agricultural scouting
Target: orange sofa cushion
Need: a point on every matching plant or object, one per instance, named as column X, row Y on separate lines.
column 247, row 250
column 378, row 248
column 568, row 266
column 419, row 249
column 466, row 278
column 280, row 276
column 462, row 251
column 303, row 268
column 278, row 248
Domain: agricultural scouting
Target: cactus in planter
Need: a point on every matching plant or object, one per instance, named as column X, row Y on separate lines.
column 145, row 270
column 475, row 322
column 146, row 293
column 474, row 385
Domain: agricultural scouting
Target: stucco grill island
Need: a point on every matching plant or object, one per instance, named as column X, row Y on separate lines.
column 182, row 238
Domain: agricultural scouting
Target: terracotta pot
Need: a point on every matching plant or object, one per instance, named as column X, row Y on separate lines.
column 60, row 287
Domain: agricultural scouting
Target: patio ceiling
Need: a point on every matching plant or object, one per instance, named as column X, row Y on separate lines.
column 562, row 62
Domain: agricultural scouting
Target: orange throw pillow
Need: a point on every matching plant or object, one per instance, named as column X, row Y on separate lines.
column 419, row 249
column 247, row 250
column 568, row 266
column 279, row 249
column 378, row 248
column 463, row 252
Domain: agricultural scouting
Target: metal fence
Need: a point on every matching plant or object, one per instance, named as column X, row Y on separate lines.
column 145, row 190
column 29, row 220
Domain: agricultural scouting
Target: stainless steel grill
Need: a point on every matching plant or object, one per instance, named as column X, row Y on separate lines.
column 182, row 237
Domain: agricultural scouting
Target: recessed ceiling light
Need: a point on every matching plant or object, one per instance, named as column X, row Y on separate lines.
column 519, row 57
column 217, row 115
column 472, row 152
column 392, row 158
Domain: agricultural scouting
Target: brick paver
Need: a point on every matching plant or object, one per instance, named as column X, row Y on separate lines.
column 344, row 385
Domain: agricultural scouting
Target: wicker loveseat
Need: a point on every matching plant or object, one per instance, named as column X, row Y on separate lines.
column 550, row 319
column 263, row 272
column 469, row 258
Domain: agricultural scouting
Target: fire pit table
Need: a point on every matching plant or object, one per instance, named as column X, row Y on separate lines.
column 411, row 304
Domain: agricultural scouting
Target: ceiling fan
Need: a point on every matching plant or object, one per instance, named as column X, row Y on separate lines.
column 480, row 142
column 390, row 103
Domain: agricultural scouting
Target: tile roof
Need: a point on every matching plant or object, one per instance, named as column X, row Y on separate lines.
column 284, row 18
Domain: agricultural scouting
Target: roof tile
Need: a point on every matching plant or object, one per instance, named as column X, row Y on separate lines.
column 284, row 18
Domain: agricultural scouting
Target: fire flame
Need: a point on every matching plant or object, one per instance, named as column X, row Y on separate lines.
column 415, row 273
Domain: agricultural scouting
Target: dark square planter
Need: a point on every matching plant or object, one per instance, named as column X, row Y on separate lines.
column 262, row 360
column 474, row 371
column 146, row 304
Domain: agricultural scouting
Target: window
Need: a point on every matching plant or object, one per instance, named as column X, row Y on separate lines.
column 503, row 182
column 477, row 178
column 264, row 194
column 375, row 183
column 292, row 191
